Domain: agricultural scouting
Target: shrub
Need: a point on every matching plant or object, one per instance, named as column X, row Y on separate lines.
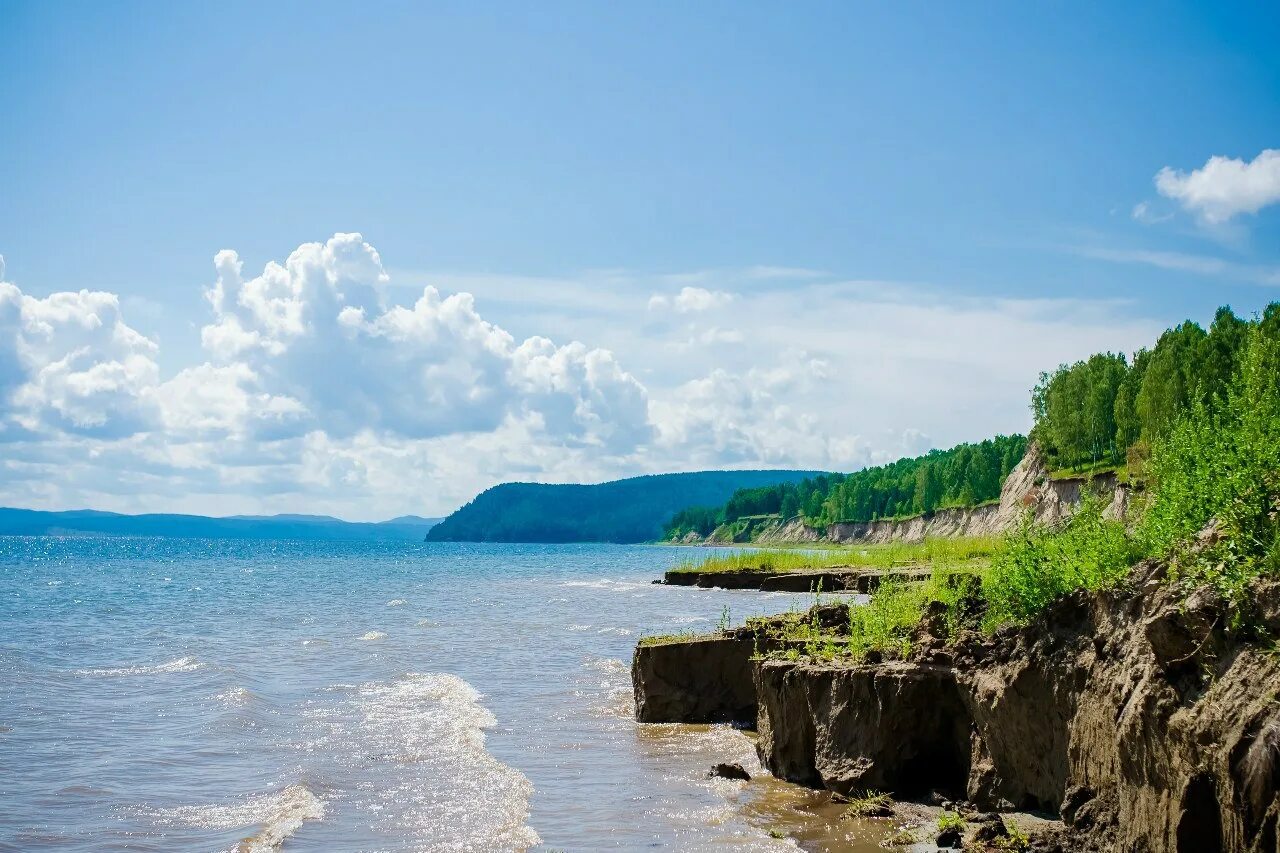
column 1035, row 565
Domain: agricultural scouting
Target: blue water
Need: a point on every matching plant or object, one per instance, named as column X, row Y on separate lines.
column 317, row 696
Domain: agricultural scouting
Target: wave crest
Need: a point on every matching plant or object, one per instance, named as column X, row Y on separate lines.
column 182, row 664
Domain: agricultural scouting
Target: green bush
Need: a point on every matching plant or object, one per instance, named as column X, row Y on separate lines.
column 1036, row 565
column 1221, row 462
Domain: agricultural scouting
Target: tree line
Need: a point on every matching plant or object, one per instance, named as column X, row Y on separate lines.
column 1109, row 409
column 965, row 475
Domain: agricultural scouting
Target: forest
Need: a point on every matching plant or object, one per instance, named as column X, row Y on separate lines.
column 965, row 475
column 1109, row 410
column 1101, row 413
column 630, row 510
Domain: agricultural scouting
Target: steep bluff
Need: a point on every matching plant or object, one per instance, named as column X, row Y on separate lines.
column 1027, row 486
column 1135, row 714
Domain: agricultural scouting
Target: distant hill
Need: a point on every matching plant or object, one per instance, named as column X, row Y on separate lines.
column 87, row 522
column 631, row 510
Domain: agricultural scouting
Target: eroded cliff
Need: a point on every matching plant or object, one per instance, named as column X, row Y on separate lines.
column 1028, row 486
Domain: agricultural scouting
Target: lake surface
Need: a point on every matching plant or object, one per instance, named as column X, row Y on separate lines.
column 161, row 695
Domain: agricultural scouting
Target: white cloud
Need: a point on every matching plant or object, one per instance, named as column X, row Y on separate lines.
column 69, row 362
column 328, row 388
column 691, row 300
column 1224, row 187
column 316, row 330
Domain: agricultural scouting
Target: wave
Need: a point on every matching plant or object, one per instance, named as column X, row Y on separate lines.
column 278, row 816
column 182, row 664
column 396, row 602
column 607, row 583
column 439, row 787
column 374, row 635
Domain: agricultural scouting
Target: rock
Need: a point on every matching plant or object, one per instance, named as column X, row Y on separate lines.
column 989, row 831
column 949, row 838
column 730, row 771
column 1076, row 797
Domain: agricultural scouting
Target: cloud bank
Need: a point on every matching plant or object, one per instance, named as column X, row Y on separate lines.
column 326, row 386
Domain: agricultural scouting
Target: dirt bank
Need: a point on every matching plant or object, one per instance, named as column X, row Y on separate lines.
column 1028, row 486
column 1135, row 715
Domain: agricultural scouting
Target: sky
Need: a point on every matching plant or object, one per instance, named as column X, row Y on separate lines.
column 370, row 260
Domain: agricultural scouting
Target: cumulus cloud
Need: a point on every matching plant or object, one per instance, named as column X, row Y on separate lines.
column 325, row 387
column 1225, row 186
column 315, row 331
column 70, row 363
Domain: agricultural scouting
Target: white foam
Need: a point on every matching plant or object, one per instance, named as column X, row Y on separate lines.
column 438, row 787
column 279, row 815
column 374, row 635
column 396, row 602
column 182, row 664
column 606, row 583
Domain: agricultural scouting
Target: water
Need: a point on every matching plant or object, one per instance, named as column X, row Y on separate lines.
column 160, row 695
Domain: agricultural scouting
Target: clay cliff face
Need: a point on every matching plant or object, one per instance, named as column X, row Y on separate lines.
column 1134, row 714
column 1027, row 486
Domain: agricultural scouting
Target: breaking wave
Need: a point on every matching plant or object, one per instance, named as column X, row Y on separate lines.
column 277, row 816
column 438, row 783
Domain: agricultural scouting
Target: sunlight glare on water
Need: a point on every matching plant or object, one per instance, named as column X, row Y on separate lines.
column 234, row 695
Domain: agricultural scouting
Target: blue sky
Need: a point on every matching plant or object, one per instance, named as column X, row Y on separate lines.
column 898, row 214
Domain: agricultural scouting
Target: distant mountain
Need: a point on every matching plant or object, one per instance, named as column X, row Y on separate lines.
column 631, row 510
column 87, row 522
column 413, row 520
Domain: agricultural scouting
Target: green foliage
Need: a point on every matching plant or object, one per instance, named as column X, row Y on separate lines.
column 1207, row 414
column 1035, row 565
column 885, row 623
column 869, row 803
column 1016, row 839
column 1094, row 410
column 948, row 821
column 1075, row 409
column 965, row 475
column 631, row 510
column 1221, row 461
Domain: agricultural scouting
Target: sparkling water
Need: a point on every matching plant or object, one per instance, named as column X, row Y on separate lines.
column 178, row 694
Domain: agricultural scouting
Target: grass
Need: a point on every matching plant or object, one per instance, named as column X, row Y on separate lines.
column 948, row 821
column 884, row 625
column 664, row 639
column 935, row 552
column 869, row 804
column 1089, row 469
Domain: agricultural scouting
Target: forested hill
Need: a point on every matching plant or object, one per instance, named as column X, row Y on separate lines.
column 86, row 522
column 631, row 510
column 965, row 475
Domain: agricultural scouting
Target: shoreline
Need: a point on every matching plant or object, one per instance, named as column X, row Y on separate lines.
column 1029, row 722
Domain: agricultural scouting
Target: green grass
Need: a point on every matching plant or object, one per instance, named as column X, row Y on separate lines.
column 948, row 821
column 679, row 637
column 869, row 804
column 1089, row 469
column 885, row 624
column 935, row 552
